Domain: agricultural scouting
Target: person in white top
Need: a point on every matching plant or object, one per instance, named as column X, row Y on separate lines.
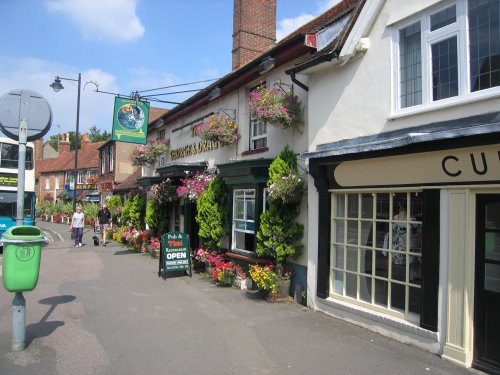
column 76, row 227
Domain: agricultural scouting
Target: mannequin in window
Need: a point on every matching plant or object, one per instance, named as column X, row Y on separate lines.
column 399, row 235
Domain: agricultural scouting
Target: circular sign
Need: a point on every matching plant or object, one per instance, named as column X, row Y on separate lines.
column 26, row 105
column 25, row 253
column 131, row 116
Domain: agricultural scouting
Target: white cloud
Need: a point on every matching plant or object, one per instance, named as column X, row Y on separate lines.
column 327, row 4
column 111, row 20
column 37, row 75
column 289, row 25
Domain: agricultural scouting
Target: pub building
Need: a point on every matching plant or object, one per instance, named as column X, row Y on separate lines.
column 257, row 59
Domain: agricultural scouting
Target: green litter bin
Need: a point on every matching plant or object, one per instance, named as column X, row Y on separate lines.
column 22, row 248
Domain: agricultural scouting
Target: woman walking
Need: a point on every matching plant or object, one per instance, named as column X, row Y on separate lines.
column 76, row 227
column 103, row 220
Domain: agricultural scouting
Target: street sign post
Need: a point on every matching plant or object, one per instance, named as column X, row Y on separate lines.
column 24, row 116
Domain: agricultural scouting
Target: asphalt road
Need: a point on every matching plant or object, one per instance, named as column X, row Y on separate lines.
column 104, row 310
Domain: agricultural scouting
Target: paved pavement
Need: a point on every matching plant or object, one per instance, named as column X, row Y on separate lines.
column 104, row 310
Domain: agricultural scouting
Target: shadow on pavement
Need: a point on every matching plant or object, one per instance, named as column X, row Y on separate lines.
column 44, row 328
column 123, row 252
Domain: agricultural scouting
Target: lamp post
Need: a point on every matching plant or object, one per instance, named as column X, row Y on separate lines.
column 57, row 86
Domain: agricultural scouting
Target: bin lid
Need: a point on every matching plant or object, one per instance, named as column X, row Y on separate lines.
column 23, row 232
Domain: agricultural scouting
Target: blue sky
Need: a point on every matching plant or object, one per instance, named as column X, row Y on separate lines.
column 124, row 46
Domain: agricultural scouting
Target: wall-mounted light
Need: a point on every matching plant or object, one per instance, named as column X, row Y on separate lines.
column 266, row 65
column 215, row 93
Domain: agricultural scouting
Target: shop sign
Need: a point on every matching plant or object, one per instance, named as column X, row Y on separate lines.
column 86, row 186
column 463, row 165
column 175, row 255
column 194, row 148
column 8, row 179
column 130, row 121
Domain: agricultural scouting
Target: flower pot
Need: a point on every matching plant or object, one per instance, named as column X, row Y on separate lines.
column 243, row 284
column 283, row 288
column 209, row 268
column 198, row 266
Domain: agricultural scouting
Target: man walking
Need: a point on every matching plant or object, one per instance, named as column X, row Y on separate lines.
column 103, row 220
column 77, row 223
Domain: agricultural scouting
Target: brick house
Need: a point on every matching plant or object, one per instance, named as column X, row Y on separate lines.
column 55, row 175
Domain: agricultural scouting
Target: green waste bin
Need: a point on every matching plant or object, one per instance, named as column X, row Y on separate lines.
column 22, row 248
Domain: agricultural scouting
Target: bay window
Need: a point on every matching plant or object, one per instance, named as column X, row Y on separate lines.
column 449, row 54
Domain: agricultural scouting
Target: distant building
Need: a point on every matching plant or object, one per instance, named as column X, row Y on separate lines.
column 55, row 176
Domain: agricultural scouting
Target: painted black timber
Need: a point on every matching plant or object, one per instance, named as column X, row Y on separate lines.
column 430, row 259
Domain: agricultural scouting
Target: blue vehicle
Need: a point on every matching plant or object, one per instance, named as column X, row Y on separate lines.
column 9, row 151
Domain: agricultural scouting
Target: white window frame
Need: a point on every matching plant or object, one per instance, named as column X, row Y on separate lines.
column 56, row 182
column 103, row 162
column 47, row 183
column 460, row 29
column 161, row 160
column 111, row 159
column 345, row 241
column 236, row 230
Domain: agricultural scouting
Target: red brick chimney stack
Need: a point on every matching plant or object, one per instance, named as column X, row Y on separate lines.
column 254, row 29
column 85, row 138
column 64, row 145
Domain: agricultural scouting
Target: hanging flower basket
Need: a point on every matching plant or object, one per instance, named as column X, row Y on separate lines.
column 220, row 128
column 276, row 107
column 148, row 153
column 288, row 189
column 192, row 187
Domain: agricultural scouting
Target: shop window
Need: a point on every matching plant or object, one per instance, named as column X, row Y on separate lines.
column 243, row 219
column 431, row 53
column 376, row 251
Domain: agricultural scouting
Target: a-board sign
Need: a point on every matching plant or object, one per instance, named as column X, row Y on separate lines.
column 175, row 254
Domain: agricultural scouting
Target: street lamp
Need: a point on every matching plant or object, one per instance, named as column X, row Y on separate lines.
column 57, row 86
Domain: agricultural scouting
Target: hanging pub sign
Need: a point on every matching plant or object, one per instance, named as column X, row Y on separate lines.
column 174, row 254
column 130, row 121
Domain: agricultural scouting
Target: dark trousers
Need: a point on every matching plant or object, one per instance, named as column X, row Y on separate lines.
column 78, row 234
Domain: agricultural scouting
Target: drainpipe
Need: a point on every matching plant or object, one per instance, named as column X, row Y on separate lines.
column 297, row 82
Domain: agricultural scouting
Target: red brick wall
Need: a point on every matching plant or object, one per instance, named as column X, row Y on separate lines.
column 254, row 29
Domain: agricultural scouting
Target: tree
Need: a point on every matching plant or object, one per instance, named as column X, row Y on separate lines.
column 95, row 135
column 54, row 141
column 210, row 217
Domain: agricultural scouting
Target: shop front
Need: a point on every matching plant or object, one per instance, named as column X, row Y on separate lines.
column 408, row 238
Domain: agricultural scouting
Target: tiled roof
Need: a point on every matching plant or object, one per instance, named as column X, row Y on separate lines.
column 155, row 113
column 130, row 182
column 286, row 47
column 340, row 10
column 88, row 157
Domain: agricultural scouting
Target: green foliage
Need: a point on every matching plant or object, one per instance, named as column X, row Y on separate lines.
column 277, row 169
column 151, row 217
column 210, row 218
column 125, row 217
column 279, row 234
column 221, row 198
column 289, row 157
column 138, row 211
column 95, row 135
column 113, row 203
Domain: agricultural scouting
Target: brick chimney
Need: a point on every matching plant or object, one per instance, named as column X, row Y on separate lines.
column 64, row 145
column 38, row 143
column 254, row 29
column 85, row 138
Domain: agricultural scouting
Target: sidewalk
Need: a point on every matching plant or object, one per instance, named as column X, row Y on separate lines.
column 104, row 310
